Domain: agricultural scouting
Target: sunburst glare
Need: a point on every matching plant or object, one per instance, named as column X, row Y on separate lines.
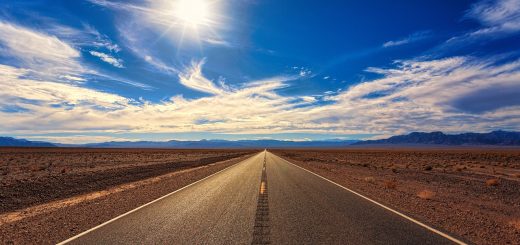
column 193, row 12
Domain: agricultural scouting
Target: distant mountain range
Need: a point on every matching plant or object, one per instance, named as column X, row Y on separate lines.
column 177, row 144
column 8, row 141
column 215, row 144
column 500, row 138
column 439, row 138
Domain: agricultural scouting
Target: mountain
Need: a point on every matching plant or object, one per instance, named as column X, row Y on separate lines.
column 503, row 138
column 12, row 142
column 439, row 138
column 202, row 144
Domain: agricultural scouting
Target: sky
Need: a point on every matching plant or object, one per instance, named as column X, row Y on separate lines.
column 108, row 70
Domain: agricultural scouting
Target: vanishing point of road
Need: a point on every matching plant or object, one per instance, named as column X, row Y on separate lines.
column 263, row 200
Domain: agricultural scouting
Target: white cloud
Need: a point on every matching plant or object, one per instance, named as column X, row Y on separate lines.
column 45, row 54
column 498, row 19
column 435, row 95
column 309, row 99
column 108, row 59
column 417, row 36
column 100, row 40
column 194, row 79
column 503, row 14
column 304, row 72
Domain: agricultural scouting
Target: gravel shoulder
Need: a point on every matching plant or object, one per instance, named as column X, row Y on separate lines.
column 471, row 193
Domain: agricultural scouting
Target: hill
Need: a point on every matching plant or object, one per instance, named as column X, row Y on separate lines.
column 504, row 138
column 12, row 142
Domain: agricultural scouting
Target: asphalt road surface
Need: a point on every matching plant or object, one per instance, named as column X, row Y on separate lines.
column 262, row 200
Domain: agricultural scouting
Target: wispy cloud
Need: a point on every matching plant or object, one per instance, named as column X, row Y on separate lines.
column 498, row 19
column 87, row 36
column 108, row 59
column 45, row 54
column 417, row 36
column 436, row 95
column 101, row 40
column 194, row 79
column 496, row 15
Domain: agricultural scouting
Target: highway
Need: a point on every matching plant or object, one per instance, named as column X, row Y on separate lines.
column 262, row 200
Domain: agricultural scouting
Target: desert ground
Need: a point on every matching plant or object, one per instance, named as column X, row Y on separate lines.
column 472, row 193
column 49, row 194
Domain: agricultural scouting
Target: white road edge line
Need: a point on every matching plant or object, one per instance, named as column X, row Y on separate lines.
column 144, row 205
column 453, row 239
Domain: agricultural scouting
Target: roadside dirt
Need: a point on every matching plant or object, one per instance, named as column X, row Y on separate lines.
column 471, row 193
column 30, row 176
column 113, row 186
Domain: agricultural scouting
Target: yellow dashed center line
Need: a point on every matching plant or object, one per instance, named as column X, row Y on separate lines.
column 262, row 187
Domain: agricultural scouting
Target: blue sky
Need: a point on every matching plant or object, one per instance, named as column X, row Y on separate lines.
column 99, row 70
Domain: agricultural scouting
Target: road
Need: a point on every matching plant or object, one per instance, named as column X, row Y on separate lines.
column 261, row 200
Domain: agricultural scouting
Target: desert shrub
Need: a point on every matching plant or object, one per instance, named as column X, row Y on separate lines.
column 428, row 168
column 369, row 179
column 390, row 184
column 515, row 224
column 36, row 167
column 426, row 194
column 459, row 168
column 492, row 182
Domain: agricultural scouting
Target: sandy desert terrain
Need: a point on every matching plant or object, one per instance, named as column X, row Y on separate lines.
column 472, row 193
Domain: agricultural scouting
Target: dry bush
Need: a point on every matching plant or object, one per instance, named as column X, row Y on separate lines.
column 428, row 168
column 36, row 167
column 460, row 168
column 426, row 194
column 492, row 182
column 515, row 224
column 369, row 179
column 390, row 184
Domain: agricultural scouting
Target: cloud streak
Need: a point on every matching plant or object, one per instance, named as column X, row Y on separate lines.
column 498, row 19
column 45, row 54
column 108, row 59
column 415, row 37
column 194, row 79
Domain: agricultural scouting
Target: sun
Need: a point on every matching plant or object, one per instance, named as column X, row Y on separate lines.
column 193, row 12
